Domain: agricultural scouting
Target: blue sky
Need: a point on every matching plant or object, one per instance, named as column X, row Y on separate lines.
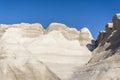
column 93, row 14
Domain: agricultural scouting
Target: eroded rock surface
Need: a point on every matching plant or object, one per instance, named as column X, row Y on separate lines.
column 24, row 46
column 104, row 64
column 86, row 38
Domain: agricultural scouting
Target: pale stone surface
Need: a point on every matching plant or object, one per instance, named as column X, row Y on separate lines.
column 17, row 63
column 27, row 45
column 56, row 26
column 71, row 34
column 85, row 37
column 68, row 33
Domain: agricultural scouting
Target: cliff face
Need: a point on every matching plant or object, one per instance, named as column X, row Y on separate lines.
column 24, row 46
column 29, row 52
column 24, row 69
column 104, row 64
column 16, row 62
column 86, row 39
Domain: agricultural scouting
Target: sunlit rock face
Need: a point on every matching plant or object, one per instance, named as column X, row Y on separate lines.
column 24, row 46
column 116, row 21
column 20, row 68
column 69, row 33
column 17, row 63
column 85, row 37
column 56, row 26
column 3, row 27
column 32, row 30
column 105, row 33
column 109, row 27
column 105, row 61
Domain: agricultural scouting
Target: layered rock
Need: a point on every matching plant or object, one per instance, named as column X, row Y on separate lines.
column 68, row 33
column 18, row 66
column 85, row 37
column 101, row 37
column 105, row 33
column 71, row 34
column 31, row 30
column 27, row 45
column 104, row 64
column 116, row 21
column 56, row 26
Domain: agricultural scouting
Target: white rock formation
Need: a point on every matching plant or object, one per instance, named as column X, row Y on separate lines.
column 69, row 33
column 26, row 45
column 56, row 26
column 85, row 37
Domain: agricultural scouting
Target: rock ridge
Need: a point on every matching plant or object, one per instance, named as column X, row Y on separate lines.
column 104, row 64
column 36, row 29
column 30, row 52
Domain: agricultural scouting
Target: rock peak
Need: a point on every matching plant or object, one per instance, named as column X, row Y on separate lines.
column 56, row 26
column 85, row 29
column 116, row 21
column 85, row 36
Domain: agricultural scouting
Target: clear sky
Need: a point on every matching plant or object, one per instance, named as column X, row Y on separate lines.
column 93, row 14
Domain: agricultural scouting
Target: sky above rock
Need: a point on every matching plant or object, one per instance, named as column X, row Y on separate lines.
column 93, row 14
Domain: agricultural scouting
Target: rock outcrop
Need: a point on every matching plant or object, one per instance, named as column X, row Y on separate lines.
column 109, row 27
column 56, row 26
column 116, row 21
column 101, row 37
column 105, row 33
column 18, row 68
column 24, row 46
column 71, row 34
column 68, row 33
column 104, row 64
column 17, row 63
column 30, row 30
column 86, row 38
column 3, row 27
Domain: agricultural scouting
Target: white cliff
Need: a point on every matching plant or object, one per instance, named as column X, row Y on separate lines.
column 58, row 46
